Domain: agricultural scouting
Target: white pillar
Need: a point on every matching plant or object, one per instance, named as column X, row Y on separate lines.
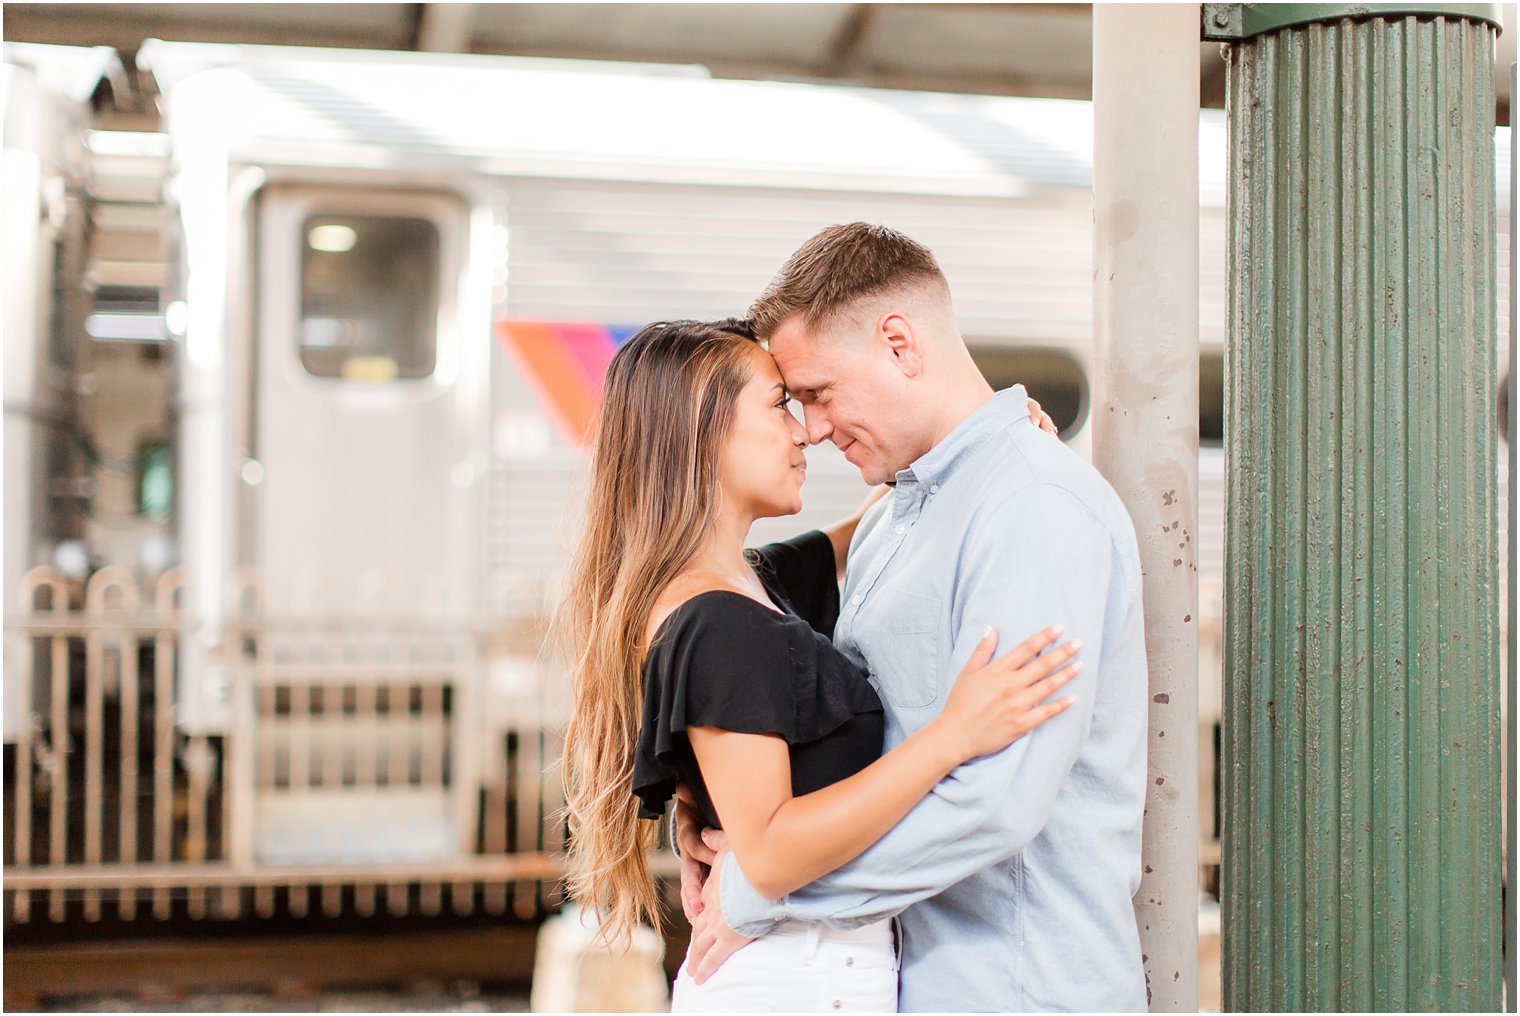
column 1145, row 430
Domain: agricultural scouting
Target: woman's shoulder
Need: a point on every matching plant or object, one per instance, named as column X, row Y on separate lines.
column 717, row 617
column 696, row 595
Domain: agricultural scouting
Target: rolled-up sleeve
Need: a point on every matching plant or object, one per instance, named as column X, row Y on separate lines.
column 1037, row 558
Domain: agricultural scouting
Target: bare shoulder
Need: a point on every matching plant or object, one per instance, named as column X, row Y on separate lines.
column 682, row 588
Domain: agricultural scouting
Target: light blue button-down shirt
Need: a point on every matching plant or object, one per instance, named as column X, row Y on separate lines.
column 1014, row 877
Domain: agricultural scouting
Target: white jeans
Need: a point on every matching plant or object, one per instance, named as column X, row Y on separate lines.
column 800, row 967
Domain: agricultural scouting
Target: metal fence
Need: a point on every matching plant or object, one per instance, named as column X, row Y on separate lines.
column 359, row 772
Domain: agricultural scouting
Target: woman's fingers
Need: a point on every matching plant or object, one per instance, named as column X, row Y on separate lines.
column 982, row 654
column 1042, row 713
column 1046, row 686
column 1052, row 661
column 1030, row 647
column 1024, row 674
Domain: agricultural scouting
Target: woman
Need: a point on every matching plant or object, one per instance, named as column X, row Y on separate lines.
column 695, row 661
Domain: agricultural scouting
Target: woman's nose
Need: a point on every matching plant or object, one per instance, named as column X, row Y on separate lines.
column 799, row 433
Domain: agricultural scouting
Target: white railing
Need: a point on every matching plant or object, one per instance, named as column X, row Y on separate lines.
column 360, row 769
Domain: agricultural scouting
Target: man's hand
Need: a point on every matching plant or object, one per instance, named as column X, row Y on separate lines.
column 1041, row 419
column 696, row 856
column 712, row 940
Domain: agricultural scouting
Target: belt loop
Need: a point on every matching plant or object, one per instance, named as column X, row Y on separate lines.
column 810, row 946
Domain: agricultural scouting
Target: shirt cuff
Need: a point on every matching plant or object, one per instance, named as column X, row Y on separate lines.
column 744, row 909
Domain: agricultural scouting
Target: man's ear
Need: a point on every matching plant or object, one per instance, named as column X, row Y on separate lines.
column 896, row 333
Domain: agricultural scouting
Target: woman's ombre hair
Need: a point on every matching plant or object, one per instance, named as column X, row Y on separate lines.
column 652, row 498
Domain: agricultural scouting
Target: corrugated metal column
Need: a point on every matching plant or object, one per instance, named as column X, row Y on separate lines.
column 1361, row 746
column 1145, row 430
column 1514, row 679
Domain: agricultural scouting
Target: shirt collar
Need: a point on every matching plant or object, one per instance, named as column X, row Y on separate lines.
column 1011, row 405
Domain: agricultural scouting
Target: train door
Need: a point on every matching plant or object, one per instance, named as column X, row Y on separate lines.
column 364, row 426
column 362, row 526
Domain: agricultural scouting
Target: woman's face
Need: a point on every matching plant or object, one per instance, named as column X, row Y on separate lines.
column 761, row 466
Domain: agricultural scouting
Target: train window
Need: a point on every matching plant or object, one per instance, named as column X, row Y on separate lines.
column 1053, row 377
column 369, row 297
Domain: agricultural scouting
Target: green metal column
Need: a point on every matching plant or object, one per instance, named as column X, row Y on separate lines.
column 1361, row 767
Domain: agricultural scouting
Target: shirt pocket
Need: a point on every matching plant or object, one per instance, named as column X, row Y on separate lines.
column 905, row 651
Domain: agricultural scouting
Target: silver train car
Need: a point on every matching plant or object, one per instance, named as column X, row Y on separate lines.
column 386, row 288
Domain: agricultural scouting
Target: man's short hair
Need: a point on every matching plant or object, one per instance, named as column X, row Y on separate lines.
column 838, row 267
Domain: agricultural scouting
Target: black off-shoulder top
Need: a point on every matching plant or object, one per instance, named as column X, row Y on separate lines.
column 724, row 660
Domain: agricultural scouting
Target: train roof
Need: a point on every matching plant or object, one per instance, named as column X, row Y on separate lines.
column 70, row 72
column 505, row 115
column 44, row 91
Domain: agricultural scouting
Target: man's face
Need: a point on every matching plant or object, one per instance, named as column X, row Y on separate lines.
column 852, row 393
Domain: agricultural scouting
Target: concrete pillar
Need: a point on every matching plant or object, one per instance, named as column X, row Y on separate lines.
column 1145, row 425
column 573, row 971
column 1361, row 743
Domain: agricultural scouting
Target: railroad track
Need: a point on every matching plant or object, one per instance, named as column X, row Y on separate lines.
column 161, row 973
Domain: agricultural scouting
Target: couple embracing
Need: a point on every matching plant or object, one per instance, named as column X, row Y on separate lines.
column 926, row 794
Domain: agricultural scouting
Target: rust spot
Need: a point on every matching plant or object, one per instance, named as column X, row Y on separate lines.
column 1169, row 498
column 1160, row 780
column 1149, row 869
column 1186, row 618
column 1272, row 714
column 1161, row 697
column 1176, row 562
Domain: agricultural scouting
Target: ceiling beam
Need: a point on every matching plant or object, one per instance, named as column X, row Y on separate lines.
column 844, row 50
column 445, row 28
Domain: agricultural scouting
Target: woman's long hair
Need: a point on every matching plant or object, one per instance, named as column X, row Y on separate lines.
column 651, row 501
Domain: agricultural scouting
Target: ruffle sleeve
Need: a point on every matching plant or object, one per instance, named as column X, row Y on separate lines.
column 722, row 660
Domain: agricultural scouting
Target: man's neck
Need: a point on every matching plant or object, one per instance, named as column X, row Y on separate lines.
column 965, row 394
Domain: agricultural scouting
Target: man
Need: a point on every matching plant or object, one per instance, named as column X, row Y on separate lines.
column 1014, row 877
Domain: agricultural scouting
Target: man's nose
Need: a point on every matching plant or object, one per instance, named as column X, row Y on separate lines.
column 818, row 426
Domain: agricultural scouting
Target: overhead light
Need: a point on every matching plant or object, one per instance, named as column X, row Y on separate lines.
column 177, row 317
column 332, row 238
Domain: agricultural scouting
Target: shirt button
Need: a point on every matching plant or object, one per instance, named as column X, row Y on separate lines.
column 837, row 1003
column 849, row 961
column 934, row 488
column 901, row 529
column 855, row 599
